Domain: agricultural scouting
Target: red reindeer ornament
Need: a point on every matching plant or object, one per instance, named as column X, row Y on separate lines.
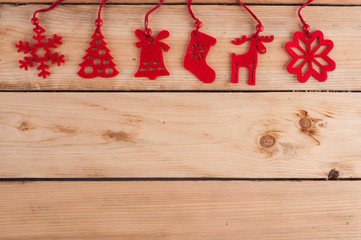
column 151, row 54
column 249, row 59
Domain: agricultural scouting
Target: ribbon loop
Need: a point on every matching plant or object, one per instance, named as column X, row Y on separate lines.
column 146, row 19
column 35, row 21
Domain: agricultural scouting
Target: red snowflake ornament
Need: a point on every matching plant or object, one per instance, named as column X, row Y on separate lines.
column 34, row 54
column 98, row 58
column 151, row 55
column 309, row 53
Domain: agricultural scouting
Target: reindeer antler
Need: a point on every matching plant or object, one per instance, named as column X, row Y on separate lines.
column 239, row 41
column 267, row 38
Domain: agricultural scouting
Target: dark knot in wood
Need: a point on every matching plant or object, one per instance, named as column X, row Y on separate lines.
column 305, row 123
column 333, row 175
column 267, row 141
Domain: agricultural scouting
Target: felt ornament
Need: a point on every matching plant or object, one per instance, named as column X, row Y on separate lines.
column 249, row 60
column 197, row 51
column 41, row 51
column 309, row 52
column 97, row 60
column 151, row 50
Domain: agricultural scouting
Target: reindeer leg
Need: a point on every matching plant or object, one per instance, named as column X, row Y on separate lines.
column 252, row 74
column 235, row 70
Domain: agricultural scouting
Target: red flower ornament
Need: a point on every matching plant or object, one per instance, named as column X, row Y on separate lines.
column 309, row 52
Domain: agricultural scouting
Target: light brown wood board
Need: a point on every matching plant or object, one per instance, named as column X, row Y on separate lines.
column 180, row 210
column 200, row 135
column 139, row 145
column 299, row 2
column 75, row 23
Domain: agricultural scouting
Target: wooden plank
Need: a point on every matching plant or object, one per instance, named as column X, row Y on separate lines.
column 180, row 210
column 223, row 22
column 180, row 135
column 333, row 2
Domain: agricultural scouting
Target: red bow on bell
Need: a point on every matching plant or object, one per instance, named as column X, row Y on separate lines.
column 150, row 40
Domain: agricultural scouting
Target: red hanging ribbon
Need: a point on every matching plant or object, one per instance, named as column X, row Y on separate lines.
column 306, row 27
column 101, row 7
column 147, row 31
column 259, row 27
column 198, row 24
column 299, row 11
column 99, row 21
column 35, row 20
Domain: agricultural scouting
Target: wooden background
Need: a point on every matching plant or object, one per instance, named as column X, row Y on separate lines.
column 135, row 159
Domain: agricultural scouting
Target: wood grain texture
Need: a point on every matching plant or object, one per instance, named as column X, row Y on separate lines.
column 180, row 210
column 245, row 135
column 222, row 22
column 326, row 2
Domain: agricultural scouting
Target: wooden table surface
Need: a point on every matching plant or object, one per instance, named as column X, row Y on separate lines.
column 134, row 159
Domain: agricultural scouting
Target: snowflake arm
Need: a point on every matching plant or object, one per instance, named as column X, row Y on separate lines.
column 42, row 67
column 28, row 62
column 55, row 41
column 55, row 58
column 23, row 47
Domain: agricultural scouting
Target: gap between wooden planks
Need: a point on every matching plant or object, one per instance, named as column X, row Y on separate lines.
column 180, row 210
column 333, row 2
column 201, row 135
column 75, row 23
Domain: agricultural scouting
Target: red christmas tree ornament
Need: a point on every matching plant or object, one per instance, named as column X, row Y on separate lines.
column 249, row 59
column 98, row 61
column 42, row 44
column 309, row 52
column 197, row 51
column 151, row 53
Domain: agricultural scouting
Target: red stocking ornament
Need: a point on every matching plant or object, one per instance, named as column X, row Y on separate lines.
column 151, row 53
column 41, row 43
column 98, row 61
column 249, row 59
column 197, row 51
column 311, row 55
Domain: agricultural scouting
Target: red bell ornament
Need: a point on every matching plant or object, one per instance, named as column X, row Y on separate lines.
column 151, row 50
column 309, row 52
column 151, row 55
